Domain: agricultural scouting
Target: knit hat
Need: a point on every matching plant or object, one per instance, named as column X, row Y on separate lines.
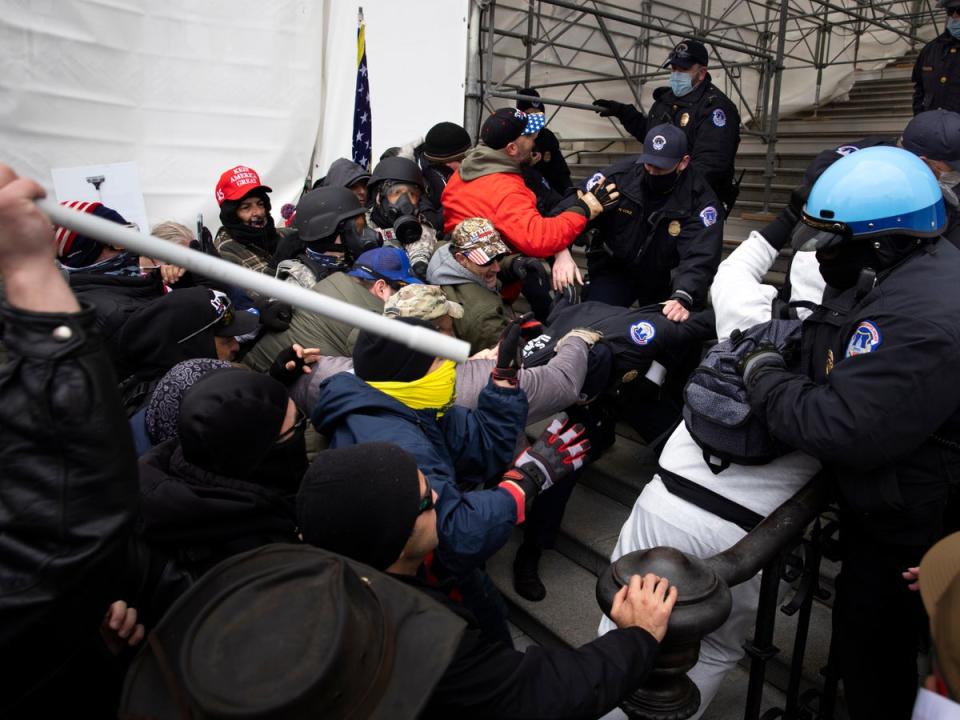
column 940, row 591
column 446, row 142
column 163, row 409
column 379, row 359
column 238, row 182
column 230, row 419
column 527, row 105
column 427, row 302
column 507, row 124
column 360, row 501
column 75, row 250
column 478, row 240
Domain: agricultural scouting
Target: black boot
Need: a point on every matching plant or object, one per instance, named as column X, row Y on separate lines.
column 526, row 579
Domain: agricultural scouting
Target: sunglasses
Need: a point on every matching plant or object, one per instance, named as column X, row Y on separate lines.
column 294, row 429
column 426, row 502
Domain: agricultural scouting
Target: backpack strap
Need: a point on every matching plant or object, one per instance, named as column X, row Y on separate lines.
column 708, row 500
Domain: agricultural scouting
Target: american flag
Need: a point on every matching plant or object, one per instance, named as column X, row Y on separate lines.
column 362, row 120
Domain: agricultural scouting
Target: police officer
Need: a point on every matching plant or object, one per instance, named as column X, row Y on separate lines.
column 877, row 402
column 663, row 240
column 693, row 103
column 397, row 186
column 936, row 74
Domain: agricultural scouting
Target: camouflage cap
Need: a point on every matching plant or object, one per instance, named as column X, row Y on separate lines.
column 427, row 302
column 478, row 240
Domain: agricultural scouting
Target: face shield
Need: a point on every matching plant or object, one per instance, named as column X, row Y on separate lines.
column 814, row 234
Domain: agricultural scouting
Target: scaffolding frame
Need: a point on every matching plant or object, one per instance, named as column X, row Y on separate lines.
column 820, row 33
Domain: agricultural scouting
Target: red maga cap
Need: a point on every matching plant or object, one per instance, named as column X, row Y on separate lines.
column 237, row 182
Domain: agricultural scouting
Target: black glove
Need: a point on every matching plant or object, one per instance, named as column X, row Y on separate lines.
column 609, row 108
column 275, row 316
column 603, row 195
column 419, row 269
column 559, row 451
column 798, row 198
column 522, row 266
column 764, row 356
column 279, row 370
column 509, row 356
column 289, row 245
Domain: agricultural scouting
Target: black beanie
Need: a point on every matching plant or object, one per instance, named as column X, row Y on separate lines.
column 379, row 359
column 528, row 105
column 229, row 421
column 360, row 501
column 446, row 142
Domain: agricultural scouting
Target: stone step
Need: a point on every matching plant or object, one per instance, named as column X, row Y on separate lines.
column 590, row 528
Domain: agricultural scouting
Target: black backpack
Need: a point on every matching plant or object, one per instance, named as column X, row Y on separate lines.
column 716, row 408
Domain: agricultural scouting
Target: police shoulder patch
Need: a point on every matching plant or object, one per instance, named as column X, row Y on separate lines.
column 846, row 149
column 865, row 339
column 719, row 117
column 641, row 333
column 708, row 215
column 594, row 180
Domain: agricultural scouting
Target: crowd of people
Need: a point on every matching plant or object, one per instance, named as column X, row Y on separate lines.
column 216, row 504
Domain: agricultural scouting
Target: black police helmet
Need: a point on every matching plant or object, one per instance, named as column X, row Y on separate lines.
column 398, row 169
column 320, row 211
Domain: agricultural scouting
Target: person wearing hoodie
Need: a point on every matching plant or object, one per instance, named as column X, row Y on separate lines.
column 346, row 173
column 192, row 323
column 489, row 184
column 438, row 155
column 467, row 268
column 227, row 481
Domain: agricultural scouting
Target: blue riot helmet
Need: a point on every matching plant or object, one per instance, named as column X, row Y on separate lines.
column 870, row 193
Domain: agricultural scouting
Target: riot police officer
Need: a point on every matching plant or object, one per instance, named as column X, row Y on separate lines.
column 663, row 240
column 877, row 402
column 693, row 103
column 936, row 74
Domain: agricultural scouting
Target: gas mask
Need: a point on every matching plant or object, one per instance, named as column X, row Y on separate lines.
column 402, row 217
column 356, row 241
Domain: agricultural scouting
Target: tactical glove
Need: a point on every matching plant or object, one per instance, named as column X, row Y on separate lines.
column 764, row 356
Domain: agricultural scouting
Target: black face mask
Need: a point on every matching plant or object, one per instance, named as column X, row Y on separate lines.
column 840, row 267
column 285, row 464
column 262, row 236
column 661, row 184
column 358, row 242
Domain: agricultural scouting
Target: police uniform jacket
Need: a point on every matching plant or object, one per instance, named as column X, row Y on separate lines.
column 685, row 233
column 709, row 119
column 936, row 75
column 879, row 401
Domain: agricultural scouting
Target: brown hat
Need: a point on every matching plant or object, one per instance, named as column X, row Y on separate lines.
column 292, row 631
column 940, row 590
column 479, row 240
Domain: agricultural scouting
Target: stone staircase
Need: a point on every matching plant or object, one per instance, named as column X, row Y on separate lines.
column 879, row 104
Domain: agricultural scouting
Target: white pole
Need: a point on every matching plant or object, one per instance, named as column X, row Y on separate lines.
column 426, row 341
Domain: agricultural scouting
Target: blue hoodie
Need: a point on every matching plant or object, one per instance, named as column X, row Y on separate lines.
column 473, row 525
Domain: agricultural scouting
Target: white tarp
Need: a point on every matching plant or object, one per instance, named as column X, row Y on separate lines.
column 188, row 89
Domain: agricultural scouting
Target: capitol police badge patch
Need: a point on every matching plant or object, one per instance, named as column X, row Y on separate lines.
column 846, row 150
column 865, row 339
column 593, row 182
column 708, row 215
column 719, row 117
column 642, row 332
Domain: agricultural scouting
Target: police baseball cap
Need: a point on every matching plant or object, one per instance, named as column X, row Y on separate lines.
column 664, row 146
column 689, row 53
column 935, row 135
column 384, row 263
column 507, row 124
column 949, row 4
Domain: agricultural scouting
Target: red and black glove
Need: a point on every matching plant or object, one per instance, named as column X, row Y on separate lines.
column 559, row 451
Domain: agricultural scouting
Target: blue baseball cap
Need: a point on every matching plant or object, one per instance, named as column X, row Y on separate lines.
column 385, row 263
column 664, row 146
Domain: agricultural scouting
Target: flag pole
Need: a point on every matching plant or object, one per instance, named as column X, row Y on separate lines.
column 419, row 338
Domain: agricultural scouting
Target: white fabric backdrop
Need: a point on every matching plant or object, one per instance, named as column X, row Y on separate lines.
column 188, row 89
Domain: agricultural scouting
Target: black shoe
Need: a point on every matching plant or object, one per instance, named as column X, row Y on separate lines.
column 526, row 579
